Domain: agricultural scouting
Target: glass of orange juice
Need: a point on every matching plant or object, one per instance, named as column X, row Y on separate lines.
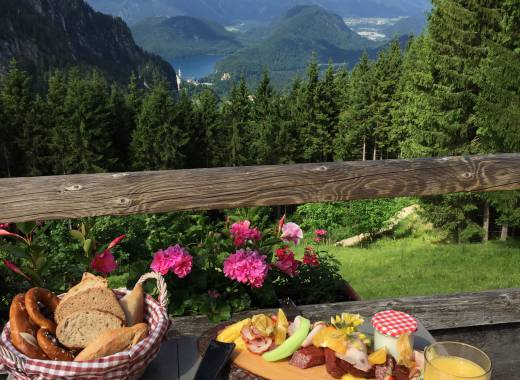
column 455, row 361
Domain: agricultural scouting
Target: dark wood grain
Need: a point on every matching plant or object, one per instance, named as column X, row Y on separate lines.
column 73, row 196
column 435, row 312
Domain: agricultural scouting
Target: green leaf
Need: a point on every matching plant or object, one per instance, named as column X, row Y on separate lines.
column 87, row 246
column 26, row 227
column 17, row 251
column 223, row 313
column 77, row 235
column 39, row 263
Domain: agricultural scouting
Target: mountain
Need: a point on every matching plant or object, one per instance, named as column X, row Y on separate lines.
column 178, row 36
column 46, row 34
column 292, row 40
column 229, row 12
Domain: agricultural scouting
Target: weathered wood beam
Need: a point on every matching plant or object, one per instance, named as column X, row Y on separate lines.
column 435, row 312
column 74, row 196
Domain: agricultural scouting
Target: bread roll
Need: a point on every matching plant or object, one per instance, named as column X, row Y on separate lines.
column 113, row 341
column 133, row 305
column 98, row 298
column 80, row 328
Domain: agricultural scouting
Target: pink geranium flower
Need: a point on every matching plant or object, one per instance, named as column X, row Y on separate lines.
column 286, row 262
column 317, row 239
column 242, row 232
column 175, row 259
column 246, row 267
column 320, row 232
column 4, row 225
column 104, row 262
column 16, row 269
column 292, row 232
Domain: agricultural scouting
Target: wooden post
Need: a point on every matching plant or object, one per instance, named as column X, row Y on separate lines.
column 485, row 222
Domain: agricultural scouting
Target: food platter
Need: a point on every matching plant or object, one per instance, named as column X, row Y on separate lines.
column 248, row 365
column 283, row 370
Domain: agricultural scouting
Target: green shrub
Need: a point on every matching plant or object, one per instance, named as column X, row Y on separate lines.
column 345, row 219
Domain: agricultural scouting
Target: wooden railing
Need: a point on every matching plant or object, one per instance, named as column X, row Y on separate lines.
column 74, row 196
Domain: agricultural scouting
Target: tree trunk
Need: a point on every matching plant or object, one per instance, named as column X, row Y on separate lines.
column 364, row 148
column 6, row 159
column 374, row 157
column 485, row 222
column 505, row 230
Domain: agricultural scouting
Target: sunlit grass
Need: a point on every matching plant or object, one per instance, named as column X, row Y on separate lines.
column 412, row 261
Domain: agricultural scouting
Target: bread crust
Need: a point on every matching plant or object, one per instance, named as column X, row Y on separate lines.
column 84, row 300
column 22, row 329
column 48, row 299
column 50, row 345
column 113, row 341
column 133, row 305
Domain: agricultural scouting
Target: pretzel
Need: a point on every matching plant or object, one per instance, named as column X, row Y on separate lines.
column 23, row 330
column 39, row 296
column 52, row 348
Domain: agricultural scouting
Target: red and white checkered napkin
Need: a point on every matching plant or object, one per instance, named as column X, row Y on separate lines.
column 129, row 364
column 394, row 323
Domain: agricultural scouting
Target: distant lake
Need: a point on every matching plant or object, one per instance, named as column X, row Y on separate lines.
column 196, row 66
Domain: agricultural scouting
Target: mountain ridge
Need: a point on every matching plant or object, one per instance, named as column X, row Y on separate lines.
column 47, row 34
column 302, row 31
column 177, row 36
column 232, row 11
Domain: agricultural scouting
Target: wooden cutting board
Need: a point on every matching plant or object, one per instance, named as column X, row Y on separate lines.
column 277, row 370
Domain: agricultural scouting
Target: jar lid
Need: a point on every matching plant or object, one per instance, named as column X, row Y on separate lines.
column 394, row 323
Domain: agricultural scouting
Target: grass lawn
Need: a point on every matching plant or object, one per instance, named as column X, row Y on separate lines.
column 418, row 266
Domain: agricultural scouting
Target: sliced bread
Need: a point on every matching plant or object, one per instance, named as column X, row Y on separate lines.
column 80, row 328
column 113, row 341
column 98, row 298
column 88, row 281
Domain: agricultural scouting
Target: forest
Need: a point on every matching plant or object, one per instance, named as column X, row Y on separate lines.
column 454, row 90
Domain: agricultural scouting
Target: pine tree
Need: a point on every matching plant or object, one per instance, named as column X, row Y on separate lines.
column 34, row 140
column 287, row 146
column 355, row 124
column 237, row 117
column 157, row 140
column 213, row 144
column 122, row 124
column 384, row 101
column 264, row 122
column 84, row 127
column 186, row 122
column 327, row 115
column 454, row 51
column 310, row 133
column 498, row 105
column 15, row 104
